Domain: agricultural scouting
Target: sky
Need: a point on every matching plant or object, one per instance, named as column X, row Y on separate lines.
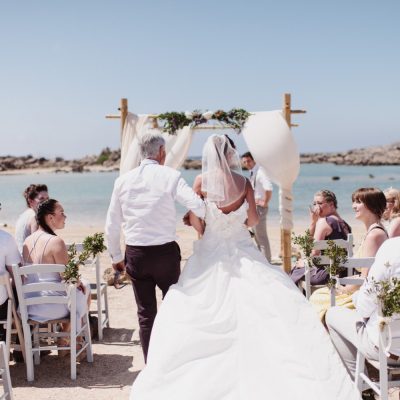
column 65, row 65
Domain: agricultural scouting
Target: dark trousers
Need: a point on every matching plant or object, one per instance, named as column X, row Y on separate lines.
column 148, row 267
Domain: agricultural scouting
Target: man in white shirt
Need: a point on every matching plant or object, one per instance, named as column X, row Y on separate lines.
column 359, row 329
column 262, row 193
column 9, row 255
column 143, row 204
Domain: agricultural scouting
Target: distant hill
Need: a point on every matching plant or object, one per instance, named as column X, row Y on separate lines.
column 377, row 155
column 109, row 160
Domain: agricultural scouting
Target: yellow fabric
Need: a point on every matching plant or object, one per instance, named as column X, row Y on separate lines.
column 321, row 301
column 321, row 298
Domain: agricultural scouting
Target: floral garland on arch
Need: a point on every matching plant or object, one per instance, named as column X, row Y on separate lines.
column 173, row 121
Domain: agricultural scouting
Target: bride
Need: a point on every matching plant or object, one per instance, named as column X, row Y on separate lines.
column 235, row 327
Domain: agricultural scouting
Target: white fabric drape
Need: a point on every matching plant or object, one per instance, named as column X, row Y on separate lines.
column 272, row 145
column 177, row 146
column 133, row 129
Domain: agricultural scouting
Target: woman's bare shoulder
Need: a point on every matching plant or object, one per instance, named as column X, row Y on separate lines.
column 56, row 243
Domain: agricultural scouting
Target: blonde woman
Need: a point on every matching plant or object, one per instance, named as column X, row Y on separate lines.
column 392, row 212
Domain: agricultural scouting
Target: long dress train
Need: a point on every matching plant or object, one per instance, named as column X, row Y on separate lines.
column 235, row 327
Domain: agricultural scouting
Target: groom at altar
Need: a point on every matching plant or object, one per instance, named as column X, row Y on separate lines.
column 143, row 205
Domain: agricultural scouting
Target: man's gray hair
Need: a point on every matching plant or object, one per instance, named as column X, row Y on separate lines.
column 150, row 144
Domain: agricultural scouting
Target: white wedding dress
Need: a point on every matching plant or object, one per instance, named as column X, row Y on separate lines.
column 236, row 328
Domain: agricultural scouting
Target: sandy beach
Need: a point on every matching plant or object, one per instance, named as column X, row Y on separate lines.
column 118, row 358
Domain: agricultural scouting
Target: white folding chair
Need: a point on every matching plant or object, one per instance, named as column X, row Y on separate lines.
column 33, row 290
column 324, row 260
column 389, row 338
column 352, row 264
column 5, row 373
column 98, row 293
column 12, row 317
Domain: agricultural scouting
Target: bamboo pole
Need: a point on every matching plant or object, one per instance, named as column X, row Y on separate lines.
column 286, row 244
column 124, row 113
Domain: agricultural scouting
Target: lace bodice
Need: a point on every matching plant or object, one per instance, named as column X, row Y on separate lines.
column 225, row 225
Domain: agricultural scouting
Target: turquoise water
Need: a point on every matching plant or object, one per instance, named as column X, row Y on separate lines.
column 85, row 197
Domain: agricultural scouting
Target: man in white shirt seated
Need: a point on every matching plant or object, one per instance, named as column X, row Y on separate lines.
column 143, row 204
column 9, row 255
column 262, row 193
column 359, row 329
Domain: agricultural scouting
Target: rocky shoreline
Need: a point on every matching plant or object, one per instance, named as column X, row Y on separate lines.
column 108, row 160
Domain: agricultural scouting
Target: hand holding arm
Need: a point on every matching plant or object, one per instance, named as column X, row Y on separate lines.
column 119, row 266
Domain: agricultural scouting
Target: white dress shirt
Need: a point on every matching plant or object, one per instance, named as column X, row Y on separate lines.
column 260, row 182
column 9, row 255
column 23, row 227
column 386, row 265
column 143, row 204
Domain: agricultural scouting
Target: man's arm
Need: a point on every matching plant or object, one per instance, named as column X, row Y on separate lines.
column 189, row 199
column 113, row 228
column 265, row 183
column 263, row 202
column 12, row 255
column 366, row 301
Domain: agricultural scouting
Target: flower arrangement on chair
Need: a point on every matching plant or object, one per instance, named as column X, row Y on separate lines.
column 387, row 293
column 337, row 256
column 306, row 243
column 92, row 245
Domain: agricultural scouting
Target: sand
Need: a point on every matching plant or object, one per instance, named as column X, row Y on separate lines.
column 118, row 358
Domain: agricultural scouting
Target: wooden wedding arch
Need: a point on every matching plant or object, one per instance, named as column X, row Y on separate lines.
column 286, row 247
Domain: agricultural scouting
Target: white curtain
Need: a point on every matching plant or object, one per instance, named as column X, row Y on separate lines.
column 177, row 146
column 272, row 145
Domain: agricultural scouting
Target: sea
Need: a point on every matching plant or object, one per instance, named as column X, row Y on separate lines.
column 85, row 196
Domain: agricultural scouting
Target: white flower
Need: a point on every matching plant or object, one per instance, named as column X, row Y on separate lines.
column 207, row 115
column 188, row 114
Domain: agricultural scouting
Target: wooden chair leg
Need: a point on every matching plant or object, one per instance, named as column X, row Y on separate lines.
column 29, row 357
column 88, row 340
column 106, row 306
column 360, row 366
column 36, row 344
column 8, row 329
column 19, row 329
column 5, row 373
column 383, row 376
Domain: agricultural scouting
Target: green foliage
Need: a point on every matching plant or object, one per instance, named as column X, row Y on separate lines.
column 388, row 294
column 104, row 156
column 337, row 256
column 305, row 242
column 235, row 118
column 92, row 245
column 173, row 121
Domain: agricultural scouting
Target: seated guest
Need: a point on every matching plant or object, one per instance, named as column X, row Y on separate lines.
column 369, row 205
column 45, row 247
column 326, row 223
column 392, row 212
column 26, row 223
column 9, row 255
column 359, row 329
